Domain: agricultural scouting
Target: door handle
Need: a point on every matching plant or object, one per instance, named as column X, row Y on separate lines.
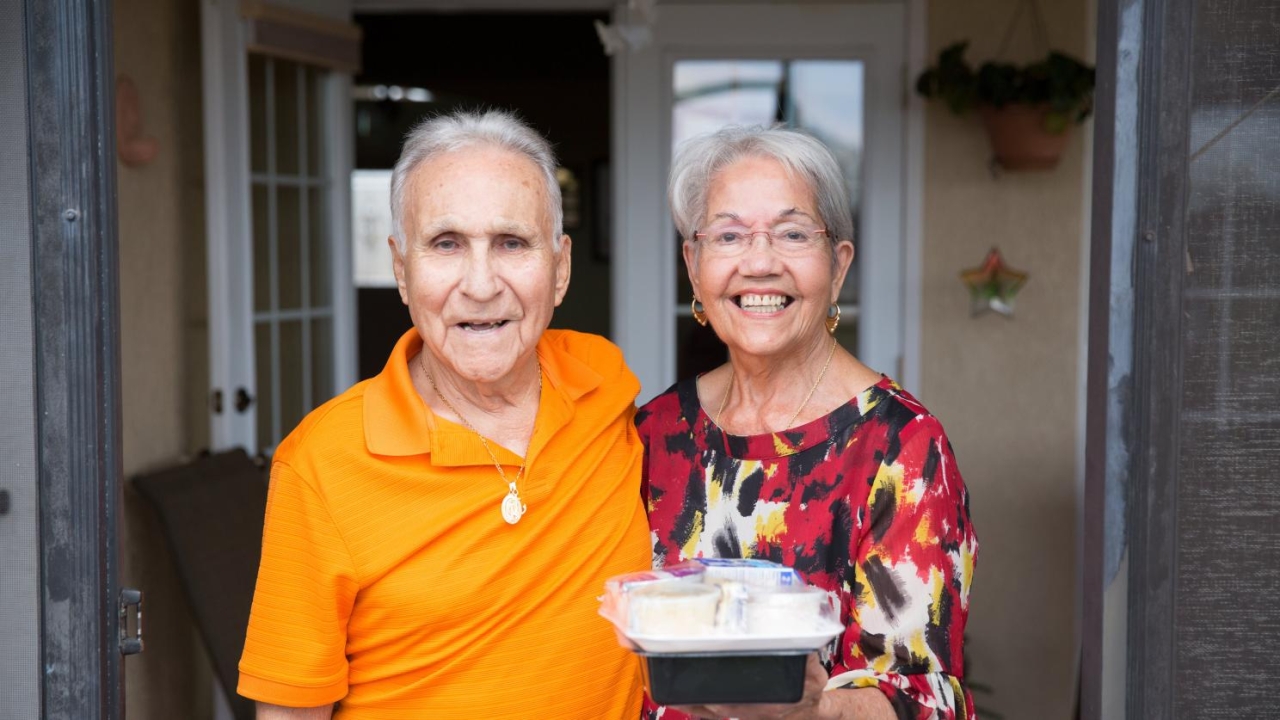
column 244, row 400
column 130, row 645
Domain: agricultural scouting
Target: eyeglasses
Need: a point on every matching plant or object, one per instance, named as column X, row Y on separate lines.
column 732, row 240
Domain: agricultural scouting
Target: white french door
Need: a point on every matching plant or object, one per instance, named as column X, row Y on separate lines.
column 281, row 299
column 835, row 70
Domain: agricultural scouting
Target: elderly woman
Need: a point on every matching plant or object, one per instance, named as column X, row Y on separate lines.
column 436, row 536
column 796, row 452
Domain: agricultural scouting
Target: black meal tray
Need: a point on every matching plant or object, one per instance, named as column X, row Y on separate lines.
column 724, row 678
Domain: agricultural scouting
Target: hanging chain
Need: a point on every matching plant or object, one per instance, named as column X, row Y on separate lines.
column 1038, row 31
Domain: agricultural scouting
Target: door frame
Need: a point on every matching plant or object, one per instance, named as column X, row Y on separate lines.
column 644, row 311
column 228, row 219
column 70, row 106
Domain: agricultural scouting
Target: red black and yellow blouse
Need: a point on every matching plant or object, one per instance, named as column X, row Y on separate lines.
column 865, row 502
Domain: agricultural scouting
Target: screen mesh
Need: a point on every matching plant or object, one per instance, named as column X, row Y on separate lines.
column 19, row 542
column 1228, row 505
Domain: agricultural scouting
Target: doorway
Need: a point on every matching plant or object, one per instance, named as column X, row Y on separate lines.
column 835, row 70
column 547, row 67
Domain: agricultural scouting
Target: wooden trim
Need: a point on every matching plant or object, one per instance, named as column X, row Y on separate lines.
column 258, row 10
column 913, row 173
column 301, row 37
column 1107, row 373
column 228, row 220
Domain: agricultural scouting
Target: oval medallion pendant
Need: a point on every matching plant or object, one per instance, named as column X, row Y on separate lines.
column 512, row 508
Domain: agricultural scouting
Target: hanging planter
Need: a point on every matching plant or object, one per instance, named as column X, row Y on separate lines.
column 1019, row 138
column 1027, row 109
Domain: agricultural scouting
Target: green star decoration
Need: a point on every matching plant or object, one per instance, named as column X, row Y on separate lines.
column 993, row 285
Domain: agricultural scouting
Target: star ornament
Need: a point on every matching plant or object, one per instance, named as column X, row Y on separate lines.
column 993, row 285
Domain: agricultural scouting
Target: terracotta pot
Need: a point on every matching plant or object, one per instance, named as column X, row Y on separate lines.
column 1018, row 137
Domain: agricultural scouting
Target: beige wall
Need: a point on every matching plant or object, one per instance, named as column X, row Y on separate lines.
column 161, row 253
column 1007, row 389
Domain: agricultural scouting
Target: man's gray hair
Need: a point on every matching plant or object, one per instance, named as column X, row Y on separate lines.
column 442, row 134
column 699, row 159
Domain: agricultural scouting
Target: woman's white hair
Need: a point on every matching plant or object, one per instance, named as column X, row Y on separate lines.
column 442, row 134
column 699, row 159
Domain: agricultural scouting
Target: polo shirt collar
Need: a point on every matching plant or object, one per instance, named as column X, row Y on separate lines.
column 398, row 423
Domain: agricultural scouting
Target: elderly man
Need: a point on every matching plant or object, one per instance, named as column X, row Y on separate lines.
column 436, row 536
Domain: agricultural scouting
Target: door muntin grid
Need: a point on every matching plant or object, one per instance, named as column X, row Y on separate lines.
column 293, row 300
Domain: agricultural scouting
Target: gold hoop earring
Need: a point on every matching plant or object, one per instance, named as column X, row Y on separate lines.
column 699, row 312
column 833, row 318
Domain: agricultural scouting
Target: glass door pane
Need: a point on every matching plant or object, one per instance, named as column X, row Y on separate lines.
column 822, row 97
column 293, row 298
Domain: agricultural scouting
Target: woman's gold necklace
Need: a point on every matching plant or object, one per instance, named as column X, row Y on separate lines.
column 512, row 508
column 804, row 402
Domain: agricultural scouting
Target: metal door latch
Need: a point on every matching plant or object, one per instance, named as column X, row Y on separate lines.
column 130, row 597
column 243, row 400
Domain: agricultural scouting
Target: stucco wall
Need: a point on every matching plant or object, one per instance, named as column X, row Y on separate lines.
column 161, row 305
column 1007, row 389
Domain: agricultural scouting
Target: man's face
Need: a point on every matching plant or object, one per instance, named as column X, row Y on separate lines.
column 479, row 272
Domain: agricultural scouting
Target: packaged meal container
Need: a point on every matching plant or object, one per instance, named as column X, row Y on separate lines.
column 721, row 630
column 724, row 678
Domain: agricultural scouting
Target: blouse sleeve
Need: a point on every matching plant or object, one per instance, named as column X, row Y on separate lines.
column 913, row 562
column 642, row 429
column 295, row 651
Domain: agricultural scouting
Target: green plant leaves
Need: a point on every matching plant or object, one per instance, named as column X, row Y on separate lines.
column 1059, row 81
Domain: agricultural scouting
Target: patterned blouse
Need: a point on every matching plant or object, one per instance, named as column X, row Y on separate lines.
column 865, row 502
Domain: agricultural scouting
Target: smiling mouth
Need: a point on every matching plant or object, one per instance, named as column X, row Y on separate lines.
column 752, row 302
column 482, row 326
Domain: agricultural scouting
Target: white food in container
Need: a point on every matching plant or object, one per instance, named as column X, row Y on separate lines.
column 674, row 609
column 734, row 606
column 794, row 610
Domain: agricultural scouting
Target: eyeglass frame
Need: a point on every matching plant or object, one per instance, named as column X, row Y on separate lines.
column 698, row 236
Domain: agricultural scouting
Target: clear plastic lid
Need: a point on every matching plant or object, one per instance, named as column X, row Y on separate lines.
column 720, row 606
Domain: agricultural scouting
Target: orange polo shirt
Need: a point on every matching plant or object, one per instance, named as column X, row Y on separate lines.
column 391, row 584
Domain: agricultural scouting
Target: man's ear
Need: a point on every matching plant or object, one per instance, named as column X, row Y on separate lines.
column 397, row 267
column 564, row 267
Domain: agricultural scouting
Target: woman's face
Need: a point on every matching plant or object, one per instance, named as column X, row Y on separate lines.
column 479, row 272
column 762, row 301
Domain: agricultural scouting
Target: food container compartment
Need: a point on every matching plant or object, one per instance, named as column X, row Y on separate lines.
column 724, row 678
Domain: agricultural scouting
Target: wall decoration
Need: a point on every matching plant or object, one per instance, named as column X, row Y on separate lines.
column 993, row 285
column 1027, row 109
column 133, row 148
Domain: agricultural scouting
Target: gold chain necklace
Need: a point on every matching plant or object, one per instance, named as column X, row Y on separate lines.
column 795, row 414
column 512, row 508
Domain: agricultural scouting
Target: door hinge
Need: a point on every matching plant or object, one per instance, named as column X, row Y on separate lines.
column 130, row 645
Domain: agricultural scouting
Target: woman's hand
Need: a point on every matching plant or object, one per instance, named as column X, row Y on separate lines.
column 810, row 706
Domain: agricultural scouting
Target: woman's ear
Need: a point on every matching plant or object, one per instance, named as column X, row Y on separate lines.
column 690, row 253
column 843, row 259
